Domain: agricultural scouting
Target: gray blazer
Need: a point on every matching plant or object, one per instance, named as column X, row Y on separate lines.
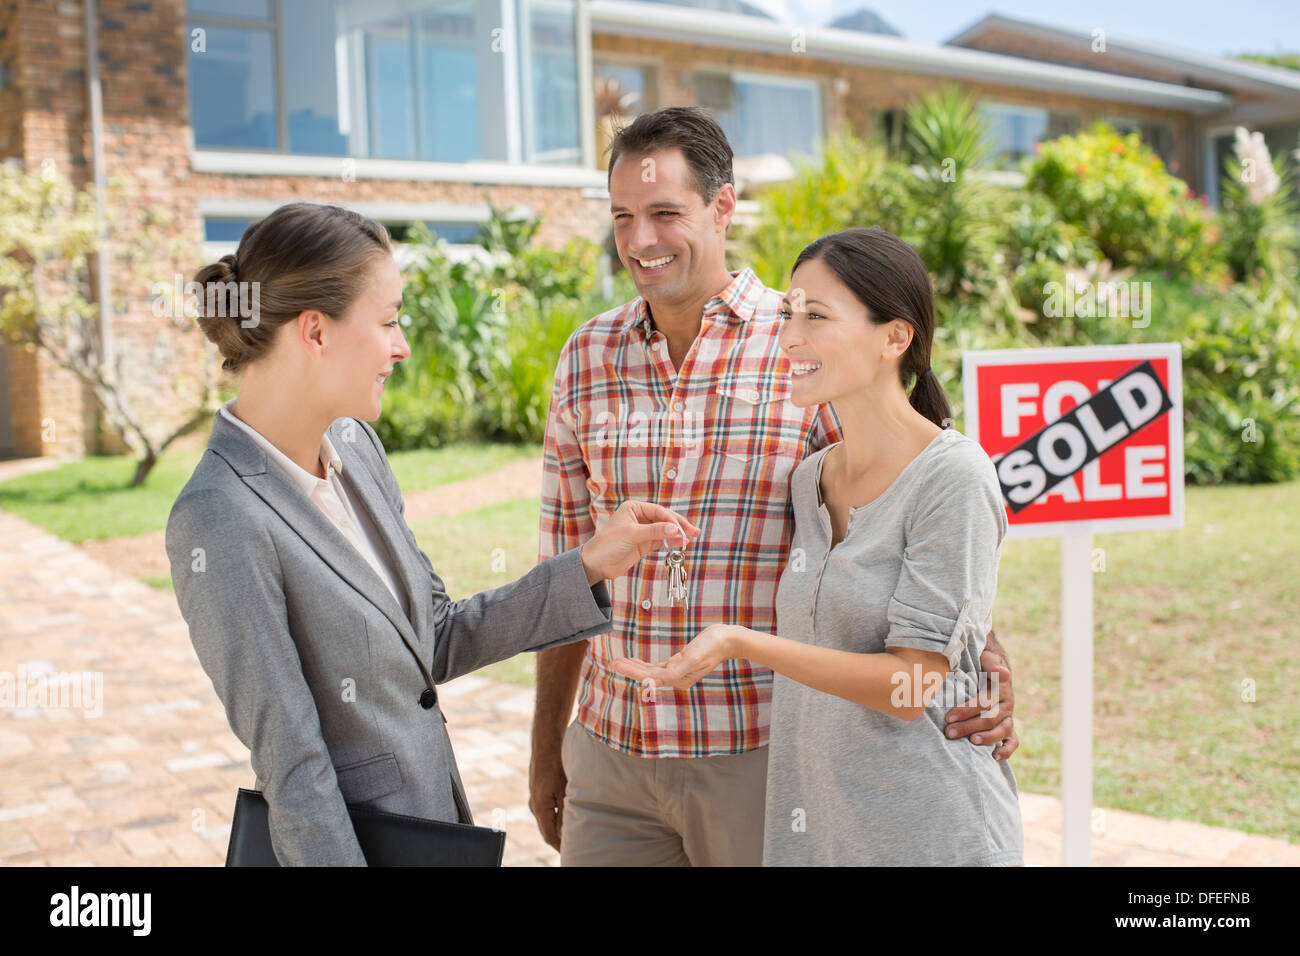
column 321, row 673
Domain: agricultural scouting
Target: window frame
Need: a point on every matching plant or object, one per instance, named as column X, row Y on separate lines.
column 517, row 110
column 774, row 79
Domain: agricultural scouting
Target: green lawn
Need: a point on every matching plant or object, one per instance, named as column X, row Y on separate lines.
column 1183, row 618
column 89, row 499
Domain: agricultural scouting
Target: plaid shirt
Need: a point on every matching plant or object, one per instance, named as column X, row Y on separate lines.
column 715, row 442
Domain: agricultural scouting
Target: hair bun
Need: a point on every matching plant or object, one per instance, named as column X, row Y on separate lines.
column 230, row 273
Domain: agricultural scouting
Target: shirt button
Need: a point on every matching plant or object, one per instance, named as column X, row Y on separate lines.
column 677, row 406
column 672, row 472
column 645, row 605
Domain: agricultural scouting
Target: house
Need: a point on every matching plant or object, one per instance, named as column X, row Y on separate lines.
column 410, row 110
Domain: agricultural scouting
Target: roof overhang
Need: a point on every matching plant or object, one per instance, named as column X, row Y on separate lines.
column 1239, row 75
column 735, row 31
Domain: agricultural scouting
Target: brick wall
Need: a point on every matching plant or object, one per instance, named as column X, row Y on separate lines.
column 44, row 112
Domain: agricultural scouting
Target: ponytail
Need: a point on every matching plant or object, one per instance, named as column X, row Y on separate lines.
column 929, row 399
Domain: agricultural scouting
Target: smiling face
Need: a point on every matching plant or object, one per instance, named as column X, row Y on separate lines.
column 834, row 348
column 367, row 342
column 670, row 241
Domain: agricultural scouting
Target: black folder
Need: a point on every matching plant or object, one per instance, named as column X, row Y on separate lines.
column 387, row 839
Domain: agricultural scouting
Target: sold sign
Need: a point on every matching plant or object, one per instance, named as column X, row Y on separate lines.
column 1082, row 435
column 1082, row 438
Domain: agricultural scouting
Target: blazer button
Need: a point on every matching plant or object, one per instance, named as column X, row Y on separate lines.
column 428, row 698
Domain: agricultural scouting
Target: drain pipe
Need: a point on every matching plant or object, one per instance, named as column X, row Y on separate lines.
column 95, row 102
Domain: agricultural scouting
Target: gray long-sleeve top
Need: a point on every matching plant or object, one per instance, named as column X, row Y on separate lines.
column 848, row 785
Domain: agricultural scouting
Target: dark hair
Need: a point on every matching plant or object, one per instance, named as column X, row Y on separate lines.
column 889, row 278
column 688, row 128
column 302, row 256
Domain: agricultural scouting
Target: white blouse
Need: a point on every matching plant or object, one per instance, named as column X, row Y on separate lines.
column 331, row 497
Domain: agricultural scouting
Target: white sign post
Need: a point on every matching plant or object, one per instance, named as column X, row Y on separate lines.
column 1084, row 440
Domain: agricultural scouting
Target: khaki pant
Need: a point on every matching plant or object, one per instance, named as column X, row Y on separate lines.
column 621, row 810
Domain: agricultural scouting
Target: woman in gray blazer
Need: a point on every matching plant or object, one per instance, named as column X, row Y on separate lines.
column 323, row 626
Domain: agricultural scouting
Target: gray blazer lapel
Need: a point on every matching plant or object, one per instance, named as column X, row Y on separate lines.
column 274, row 488
column 392, row 528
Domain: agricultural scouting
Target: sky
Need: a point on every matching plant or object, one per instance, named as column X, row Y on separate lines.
column 1216, row 28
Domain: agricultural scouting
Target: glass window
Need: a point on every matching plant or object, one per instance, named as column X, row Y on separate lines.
column 631, row 86
column 549, row 74
column 224, row 230
column 763, row 114
column 240, row 9
column 391, row 79
column 456, row 233
column 1062, row 124
column 448, row 84
column 1013, row 131
column 390, row 89
column 232, row 88
column 1158, row 136
column 311, row 80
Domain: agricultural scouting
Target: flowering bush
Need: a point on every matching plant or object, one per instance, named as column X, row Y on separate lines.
column 1118, row 192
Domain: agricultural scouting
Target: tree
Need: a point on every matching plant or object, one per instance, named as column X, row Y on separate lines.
column 48, row 241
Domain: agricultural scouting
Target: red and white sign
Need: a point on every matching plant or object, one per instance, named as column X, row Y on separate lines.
column 1085, row 439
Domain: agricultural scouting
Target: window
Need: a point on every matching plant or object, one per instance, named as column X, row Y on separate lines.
column 764, row 114
column 456, row 233
column 232, row 86
column 224, row 230
column 633, row 84
column 229, row 230
column 550, row 78
column 435, row 80
column 1014, row 130
column 1158, row 136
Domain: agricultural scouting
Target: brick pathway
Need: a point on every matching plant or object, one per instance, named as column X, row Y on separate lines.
column 151, row 779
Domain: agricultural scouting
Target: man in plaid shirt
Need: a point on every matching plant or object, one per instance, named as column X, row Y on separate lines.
column 678, row 397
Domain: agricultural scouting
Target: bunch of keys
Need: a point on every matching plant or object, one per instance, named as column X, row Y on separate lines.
column 676, row 562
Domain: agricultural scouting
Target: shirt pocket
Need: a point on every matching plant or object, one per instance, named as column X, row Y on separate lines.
column 753, row 429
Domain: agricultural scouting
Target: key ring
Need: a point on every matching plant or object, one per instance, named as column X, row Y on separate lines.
column 685, row 540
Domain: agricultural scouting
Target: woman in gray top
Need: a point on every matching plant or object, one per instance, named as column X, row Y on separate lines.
column 887, row 597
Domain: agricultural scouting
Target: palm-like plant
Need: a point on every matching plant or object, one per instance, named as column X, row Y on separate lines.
column 952, row 226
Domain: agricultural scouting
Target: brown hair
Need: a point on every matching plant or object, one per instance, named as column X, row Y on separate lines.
column 889, row 278
column 688, row 128
column 302, row 256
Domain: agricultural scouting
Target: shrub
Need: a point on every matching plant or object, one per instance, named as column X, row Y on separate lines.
column 1119, row 193
column 485, row 334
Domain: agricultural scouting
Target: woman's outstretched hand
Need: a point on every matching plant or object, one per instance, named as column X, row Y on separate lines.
column 712, row 646
column 636, row 529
